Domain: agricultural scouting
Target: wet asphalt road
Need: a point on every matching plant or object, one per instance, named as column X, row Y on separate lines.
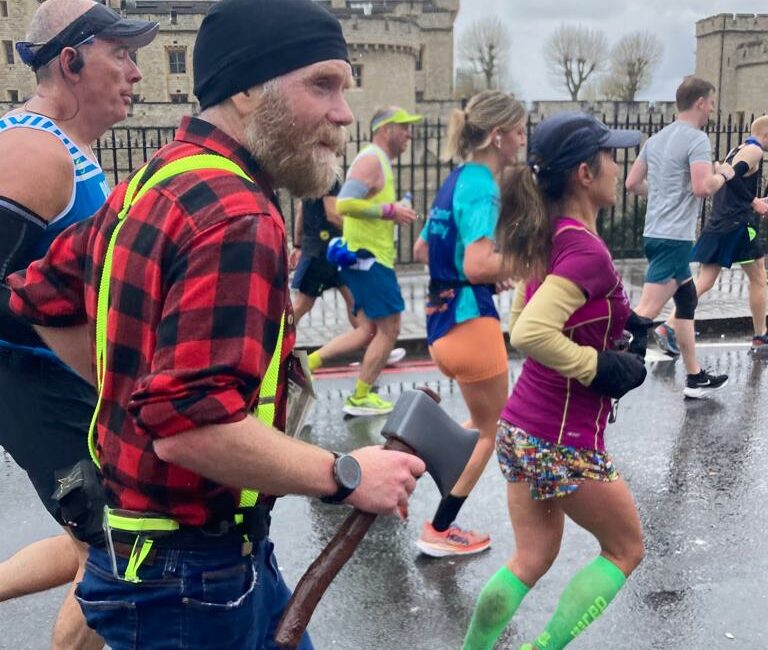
column 698, row 470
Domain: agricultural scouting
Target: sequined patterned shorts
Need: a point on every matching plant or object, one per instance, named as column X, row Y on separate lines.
column 550, row 470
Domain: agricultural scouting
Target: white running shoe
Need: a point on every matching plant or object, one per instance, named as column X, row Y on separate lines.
column 397, row 354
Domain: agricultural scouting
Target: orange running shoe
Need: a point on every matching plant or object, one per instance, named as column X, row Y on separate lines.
column 454, row 541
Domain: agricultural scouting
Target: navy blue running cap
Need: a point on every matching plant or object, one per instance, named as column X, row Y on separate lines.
column 244, row 43
column 561, row 142
column 99, row 21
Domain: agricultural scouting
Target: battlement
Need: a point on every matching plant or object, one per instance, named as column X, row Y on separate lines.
column 731, row 23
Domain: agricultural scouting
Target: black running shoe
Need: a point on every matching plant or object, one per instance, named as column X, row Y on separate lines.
column 701, row 385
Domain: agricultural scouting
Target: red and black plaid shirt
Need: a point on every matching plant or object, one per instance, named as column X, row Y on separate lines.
column 198, row 287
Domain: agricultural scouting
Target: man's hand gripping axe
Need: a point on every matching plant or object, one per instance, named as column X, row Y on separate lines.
column 417, row 425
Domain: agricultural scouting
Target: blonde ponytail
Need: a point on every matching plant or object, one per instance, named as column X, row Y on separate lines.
column 469, row 130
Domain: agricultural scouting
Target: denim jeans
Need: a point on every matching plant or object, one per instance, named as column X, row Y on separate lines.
column 211, row 599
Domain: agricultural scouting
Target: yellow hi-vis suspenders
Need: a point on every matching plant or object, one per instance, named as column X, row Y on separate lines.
column 265, row 409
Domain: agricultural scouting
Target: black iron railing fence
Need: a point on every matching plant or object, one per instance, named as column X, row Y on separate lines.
column 420, row 171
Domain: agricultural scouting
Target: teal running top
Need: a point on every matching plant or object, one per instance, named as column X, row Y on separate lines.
column 465, row 210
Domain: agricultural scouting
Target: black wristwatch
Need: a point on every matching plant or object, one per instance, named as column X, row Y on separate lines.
column 347, row 474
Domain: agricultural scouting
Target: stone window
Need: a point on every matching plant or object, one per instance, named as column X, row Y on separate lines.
column 179, row 98
column 177, row 60
column 13, row 95
column 357, row 75
column 419, row 95
column 8, row 49
column 3, row 9
column 420, row 59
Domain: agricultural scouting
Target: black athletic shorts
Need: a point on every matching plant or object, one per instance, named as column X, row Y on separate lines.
column 45, row 412
column 725, row 249
column 314, row 275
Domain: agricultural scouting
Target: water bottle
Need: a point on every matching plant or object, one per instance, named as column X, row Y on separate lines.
column 406, row 201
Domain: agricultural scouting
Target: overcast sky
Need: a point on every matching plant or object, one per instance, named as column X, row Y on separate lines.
column 530, row 22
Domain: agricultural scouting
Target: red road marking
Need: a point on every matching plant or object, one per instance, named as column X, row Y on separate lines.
column 352, row 371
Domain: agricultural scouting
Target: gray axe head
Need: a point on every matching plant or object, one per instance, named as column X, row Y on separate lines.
column 443, row 444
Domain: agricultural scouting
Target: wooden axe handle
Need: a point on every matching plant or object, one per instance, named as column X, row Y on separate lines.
column 323, row 570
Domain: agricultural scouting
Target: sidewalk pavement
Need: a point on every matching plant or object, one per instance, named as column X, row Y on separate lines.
column 722, row 311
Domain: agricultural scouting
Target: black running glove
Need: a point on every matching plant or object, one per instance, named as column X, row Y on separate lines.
column 618, row 373
column 638, row 327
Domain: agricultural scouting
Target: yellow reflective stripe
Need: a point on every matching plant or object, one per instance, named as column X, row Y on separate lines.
column 141, row 524
column 265, row 410
column 102, row 308
column 248, row 498
column 137, row 559
column 188, row 164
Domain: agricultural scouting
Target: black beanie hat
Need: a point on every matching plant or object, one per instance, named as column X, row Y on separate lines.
column 243, row 43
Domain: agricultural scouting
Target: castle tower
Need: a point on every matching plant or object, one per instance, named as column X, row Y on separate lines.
column 732, row 53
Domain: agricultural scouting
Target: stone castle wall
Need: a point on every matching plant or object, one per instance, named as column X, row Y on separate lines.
column 402, row 50
column 732, row 53
column 16, row 77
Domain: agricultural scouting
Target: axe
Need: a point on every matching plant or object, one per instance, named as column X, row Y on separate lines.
column 417, row 425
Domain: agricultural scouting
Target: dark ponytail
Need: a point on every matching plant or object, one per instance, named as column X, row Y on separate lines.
column 524, row 231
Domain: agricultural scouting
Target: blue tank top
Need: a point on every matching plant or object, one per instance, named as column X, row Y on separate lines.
column 89, row 191
column 464, row 211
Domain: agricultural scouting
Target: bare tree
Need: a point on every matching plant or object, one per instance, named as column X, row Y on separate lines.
column 484, row 45
column 573, row 53
column 633, row 60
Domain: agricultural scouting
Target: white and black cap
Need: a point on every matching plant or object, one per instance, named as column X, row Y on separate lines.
column 99, row 21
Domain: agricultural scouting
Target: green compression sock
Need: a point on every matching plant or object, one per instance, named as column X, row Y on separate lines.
column 314, row 361
column 497, row 603
column 587, row 595
column 361, row 389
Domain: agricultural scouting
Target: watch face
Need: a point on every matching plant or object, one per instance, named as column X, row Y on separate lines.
column 348, row 472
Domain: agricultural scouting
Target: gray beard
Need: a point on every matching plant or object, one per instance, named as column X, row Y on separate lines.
column 292, row 159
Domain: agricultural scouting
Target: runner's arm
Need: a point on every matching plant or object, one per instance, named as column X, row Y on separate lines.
column 421, row 251
column 364, row 180
column 249, row 454
column 637, row 179
column 51, row 291
column 73, row 346
column 20, row 180
column 518, row 302
column 298, row 235
column 706, row 181
column 538, row 330
column 329, row 205
column 745, row 163
column 298, row 226
column 482, row 263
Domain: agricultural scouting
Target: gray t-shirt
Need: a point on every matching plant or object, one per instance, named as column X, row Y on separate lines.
column 672, row 207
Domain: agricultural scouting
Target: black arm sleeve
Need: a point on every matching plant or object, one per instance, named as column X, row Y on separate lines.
column 20, row 230
column 12, row 328
column 737, row 184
